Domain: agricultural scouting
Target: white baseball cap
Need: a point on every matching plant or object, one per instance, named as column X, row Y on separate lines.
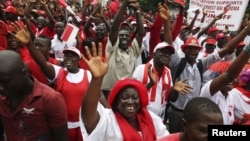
column 73, row 49
column 164, row 45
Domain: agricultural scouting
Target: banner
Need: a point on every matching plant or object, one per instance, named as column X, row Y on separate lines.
column 233, row 10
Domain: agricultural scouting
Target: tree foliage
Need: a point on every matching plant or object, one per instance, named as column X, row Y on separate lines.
column 151, row 5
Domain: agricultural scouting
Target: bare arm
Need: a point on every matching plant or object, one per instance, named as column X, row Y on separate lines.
column 24, row 36
column 191, row 25
column 90, row 20
column 98, row 68
column 140, row 30
column 203, row 31
column 116, row 23
column 232, row 72
column 164, row 13
column 106, row 22
column 51, row 24
column 27, row 19
column 230, row 46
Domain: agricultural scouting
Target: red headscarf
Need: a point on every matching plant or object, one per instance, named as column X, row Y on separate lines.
column 143, row 117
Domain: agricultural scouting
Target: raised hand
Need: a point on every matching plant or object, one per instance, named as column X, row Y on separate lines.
column 20, row 10
column 163, row 11
column 204, row 11
column 97, row 65
column 21, row 33
column 181, row 87
column 32, row 1
column 197, row 12
column 43, row 2
column 96, row 10
column 134, row 4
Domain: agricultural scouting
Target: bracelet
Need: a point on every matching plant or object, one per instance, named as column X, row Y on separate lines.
column 247, row 49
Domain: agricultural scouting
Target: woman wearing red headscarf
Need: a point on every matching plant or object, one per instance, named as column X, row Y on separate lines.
column 127, row 119
column 241, row 96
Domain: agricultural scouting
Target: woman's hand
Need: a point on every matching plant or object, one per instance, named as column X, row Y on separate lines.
column 21, row 33
column 97, row 65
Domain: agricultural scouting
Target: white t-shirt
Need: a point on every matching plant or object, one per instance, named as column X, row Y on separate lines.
column 58, row 46
column 226, row 104
column 73, row 77
column 242, row 104
column 108, row 129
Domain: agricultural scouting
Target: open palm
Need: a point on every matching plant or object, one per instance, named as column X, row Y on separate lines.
column 21, row 33
column 97, row 65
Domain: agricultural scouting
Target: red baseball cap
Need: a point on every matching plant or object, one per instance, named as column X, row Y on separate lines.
column 124, row 24
column 212, row 29
column 164, row 45
column 211, row 41
column 191, row 41
column 11, row 9
column 220, row 35
column 241, row 44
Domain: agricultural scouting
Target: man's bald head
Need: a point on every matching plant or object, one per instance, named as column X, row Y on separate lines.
column 11, row 62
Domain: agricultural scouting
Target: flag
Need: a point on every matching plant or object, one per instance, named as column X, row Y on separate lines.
column 62, row 3
column 69, row 9
column 66, row 6
column 69, row 32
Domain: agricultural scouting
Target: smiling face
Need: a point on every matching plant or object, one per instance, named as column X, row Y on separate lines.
column 124, row 39
column 71, row 61
column 191, row 53
column 41, row 22
column 128, row 103
column 162, row 56
column 13, row 43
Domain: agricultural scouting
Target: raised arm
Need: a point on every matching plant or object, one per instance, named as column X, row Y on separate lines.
column 105, row 21
column 27, row 19
column 51, row 24
column 230, row 46
column 87, row 26
column 203, row 31
column 165, row 15
column 116, row 23
column 98, row 68
column 140, row 30
column 23, row 35
column 232, row 72
column 191, row 25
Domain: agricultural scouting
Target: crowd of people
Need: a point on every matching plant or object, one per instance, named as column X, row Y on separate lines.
column 127, row 75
